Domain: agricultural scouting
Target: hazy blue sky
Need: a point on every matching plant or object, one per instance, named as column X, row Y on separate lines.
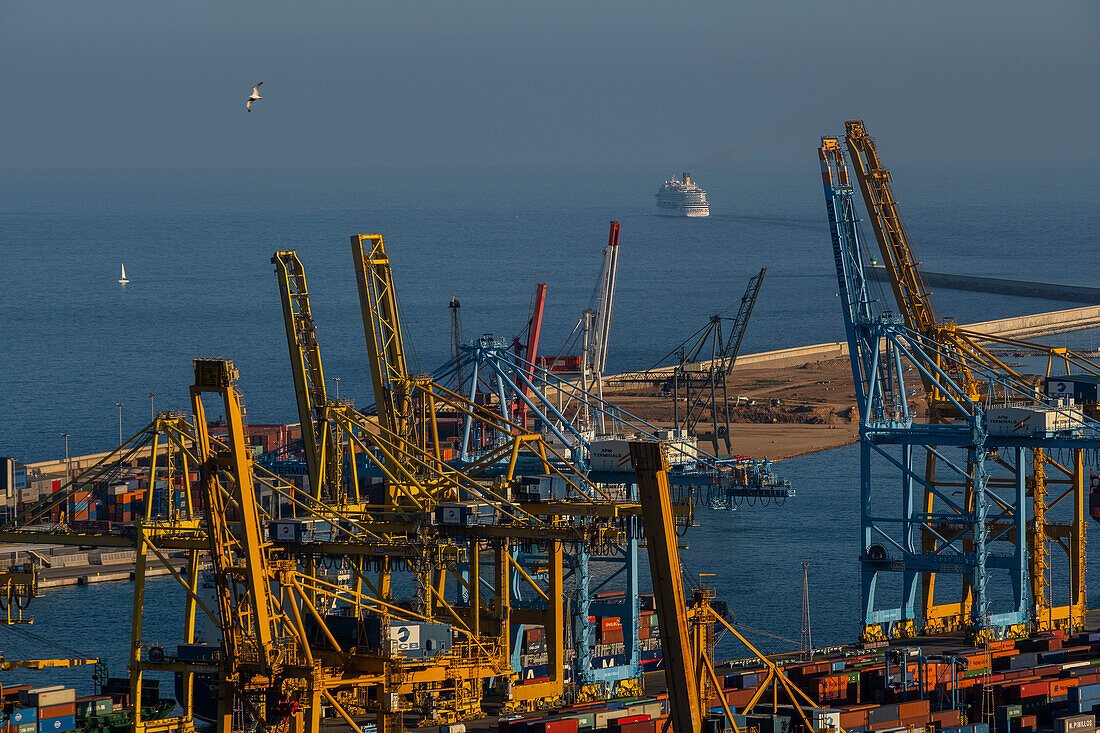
column 571, row 84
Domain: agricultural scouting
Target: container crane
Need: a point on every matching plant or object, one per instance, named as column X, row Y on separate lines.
column 711, row 374
column 914, row 302
column 983, row 535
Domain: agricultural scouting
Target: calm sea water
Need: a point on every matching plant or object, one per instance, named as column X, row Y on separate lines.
column 197, row 247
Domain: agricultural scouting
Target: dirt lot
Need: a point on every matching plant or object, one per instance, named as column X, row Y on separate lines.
column 774, row 412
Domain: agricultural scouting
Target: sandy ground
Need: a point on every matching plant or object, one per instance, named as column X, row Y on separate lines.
column 774, row 413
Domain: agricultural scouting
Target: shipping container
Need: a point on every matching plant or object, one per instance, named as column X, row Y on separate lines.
column 57, row 725
column 1075, row 724
column 43, row 696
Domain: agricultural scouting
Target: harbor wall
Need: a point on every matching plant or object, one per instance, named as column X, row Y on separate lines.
column 1002, row 286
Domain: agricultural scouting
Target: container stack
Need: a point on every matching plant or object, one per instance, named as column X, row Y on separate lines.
column 1045, row 683
column 42, row 709
column 623, row 715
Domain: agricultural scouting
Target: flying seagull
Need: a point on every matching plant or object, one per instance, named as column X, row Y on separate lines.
column 253, row 97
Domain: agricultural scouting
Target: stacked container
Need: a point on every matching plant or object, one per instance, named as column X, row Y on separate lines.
column 55, row 707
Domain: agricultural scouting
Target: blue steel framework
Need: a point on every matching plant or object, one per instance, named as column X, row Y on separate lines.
column 989, row 510
column 487, row 366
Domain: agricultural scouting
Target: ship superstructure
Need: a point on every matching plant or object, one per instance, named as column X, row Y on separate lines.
column 682, row 197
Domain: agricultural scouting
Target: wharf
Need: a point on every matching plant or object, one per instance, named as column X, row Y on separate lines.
column 792, row 402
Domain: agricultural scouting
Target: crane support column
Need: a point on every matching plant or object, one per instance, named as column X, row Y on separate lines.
column 664, row 561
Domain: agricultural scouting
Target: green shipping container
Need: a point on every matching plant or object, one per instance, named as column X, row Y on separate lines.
column 1007, row 712
column 31, row 727
column 89, row 706
column 853, row 678
column 585, row 721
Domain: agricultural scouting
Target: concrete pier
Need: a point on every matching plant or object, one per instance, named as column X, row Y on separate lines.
column 1017, row 327
column 1002, row 286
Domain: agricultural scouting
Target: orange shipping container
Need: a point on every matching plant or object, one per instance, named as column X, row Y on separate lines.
column 1061, row 687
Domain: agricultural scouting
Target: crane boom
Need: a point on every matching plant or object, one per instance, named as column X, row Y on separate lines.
column 913, row 297
column 741, row 321
column 309, row 378
column 530, row 354
column 606, row 287
column 382, row 328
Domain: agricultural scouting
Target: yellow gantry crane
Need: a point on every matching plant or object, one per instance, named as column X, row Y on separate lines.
column 293, row 642
column 959, row 346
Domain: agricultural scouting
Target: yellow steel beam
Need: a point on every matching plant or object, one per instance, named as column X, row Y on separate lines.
column 382, row 328
column 305, row 363
column 651, row 466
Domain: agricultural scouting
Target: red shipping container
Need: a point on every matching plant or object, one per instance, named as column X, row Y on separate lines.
column 11, row 692
column 739, row 698
column 611, row 622
column 913, row 709
column 640, row 726
column 853, row 719
column 562, row 725
column 947, row 718
column 1029, row 689
column 629, row 719
column 612, row 636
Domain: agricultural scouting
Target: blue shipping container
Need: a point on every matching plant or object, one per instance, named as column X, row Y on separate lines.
column 57, row 725
column 23, row 715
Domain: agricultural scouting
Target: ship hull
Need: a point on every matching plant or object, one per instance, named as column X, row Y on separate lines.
column 694, row 214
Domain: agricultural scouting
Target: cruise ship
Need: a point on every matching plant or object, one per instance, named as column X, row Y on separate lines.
column 682, row 198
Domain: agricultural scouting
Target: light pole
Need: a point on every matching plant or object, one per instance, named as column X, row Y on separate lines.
column 120, row 405
column 337, row 380
column 152, row 413
column 68, row 470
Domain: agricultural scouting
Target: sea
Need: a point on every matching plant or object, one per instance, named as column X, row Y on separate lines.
column 197, row 246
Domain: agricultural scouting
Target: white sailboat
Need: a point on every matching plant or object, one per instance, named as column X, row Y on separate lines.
column 122, row 280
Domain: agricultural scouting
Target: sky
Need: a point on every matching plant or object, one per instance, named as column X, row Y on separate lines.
column 578, row 85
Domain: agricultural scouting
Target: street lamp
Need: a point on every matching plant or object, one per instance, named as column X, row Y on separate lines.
column 337, row 380
column 152, row 413
column 68, row 470
column 120, row 405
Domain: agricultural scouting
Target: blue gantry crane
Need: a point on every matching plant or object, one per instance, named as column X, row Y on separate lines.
column 994, row 432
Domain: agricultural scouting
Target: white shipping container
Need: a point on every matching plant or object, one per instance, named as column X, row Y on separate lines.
column 613, row 454
column 610, row 455
column 1031, row 421
column 44, row 697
